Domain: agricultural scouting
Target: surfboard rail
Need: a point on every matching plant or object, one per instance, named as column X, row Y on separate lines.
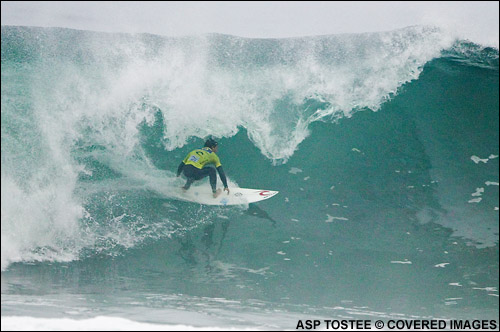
column 236, row 196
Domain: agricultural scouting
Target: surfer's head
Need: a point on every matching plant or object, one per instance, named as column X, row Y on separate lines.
column 211, row 143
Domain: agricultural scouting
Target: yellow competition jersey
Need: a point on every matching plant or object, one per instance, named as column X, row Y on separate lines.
column 201, row 157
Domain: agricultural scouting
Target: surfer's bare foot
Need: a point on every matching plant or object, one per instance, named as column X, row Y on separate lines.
column 217, row 192
column 183, row 189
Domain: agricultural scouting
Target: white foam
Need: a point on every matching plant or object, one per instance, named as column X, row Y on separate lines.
column 295, row 170
column 40, row 224
column 478, row 192
column 199, row 99
column 487, row 289
column 401, row 262
column 332, row 218
column 456, row 284
column 99, row 323
column 477, row 160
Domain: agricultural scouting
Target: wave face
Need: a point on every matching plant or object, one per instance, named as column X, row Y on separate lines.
column 384, row 147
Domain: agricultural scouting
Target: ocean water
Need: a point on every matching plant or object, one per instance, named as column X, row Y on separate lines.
column 384, row 147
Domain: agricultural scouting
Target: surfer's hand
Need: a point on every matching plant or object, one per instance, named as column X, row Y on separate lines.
column 227, row 189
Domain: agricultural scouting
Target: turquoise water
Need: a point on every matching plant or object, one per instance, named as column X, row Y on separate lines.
column 384, row 147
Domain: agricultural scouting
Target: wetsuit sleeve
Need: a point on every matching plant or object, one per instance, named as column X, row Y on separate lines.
column 222, row 176
column 179, row 169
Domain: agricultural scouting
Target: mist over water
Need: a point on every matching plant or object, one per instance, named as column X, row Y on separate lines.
column 384, row 147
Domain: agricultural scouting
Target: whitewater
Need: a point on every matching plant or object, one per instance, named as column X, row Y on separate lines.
column 383, row 145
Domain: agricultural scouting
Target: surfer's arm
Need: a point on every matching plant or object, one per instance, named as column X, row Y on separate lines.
column 179, row 169
column 222, row 176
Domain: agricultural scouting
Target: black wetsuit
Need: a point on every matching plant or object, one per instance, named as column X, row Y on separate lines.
column 197, row 165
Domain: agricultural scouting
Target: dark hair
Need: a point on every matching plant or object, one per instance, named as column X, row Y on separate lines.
column 211, row 143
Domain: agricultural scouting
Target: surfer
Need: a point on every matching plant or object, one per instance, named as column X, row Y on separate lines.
column 198, row 164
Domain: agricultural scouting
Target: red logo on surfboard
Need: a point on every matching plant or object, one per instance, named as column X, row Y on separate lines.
column 265, row 193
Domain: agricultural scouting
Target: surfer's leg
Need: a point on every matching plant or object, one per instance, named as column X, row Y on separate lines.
column 193, row 174
column 188, row 183
column 190, row 173
column 210, row 172
column 213, row 178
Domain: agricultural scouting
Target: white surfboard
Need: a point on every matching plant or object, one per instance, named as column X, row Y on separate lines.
column 236, row 196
